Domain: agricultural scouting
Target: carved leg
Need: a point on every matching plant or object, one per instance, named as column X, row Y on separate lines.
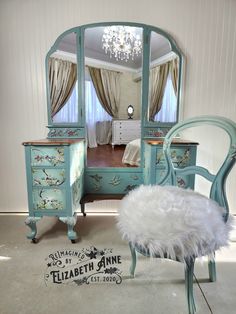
column 189, row 268
column 212, row 268
column 31, row 223
column 70, row 221
column 134, row 259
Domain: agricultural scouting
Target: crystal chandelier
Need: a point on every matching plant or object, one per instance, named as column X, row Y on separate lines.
column 121, row 42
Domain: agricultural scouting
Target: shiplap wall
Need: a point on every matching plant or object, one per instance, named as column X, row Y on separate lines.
column 205, row 30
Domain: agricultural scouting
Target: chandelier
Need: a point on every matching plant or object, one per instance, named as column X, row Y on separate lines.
column 121, row 42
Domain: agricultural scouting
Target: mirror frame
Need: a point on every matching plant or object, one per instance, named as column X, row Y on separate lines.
column 145, row 123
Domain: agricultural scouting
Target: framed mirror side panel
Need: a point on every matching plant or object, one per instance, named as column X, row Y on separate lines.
column 63, row 86
column 164, row 85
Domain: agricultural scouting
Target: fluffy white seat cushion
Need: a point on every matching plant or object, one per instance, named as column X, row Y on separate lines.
column 174, row 221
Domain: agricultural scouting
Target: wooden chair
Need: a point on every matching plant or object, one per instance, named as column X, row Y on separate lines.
column 180, row 224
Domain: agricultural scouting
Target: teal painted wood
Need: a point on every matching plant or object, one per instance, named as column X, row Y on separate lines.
column 146, row 124
column 112, row 180
column 76, row 174
column 189, row 271
column 77, row 130
column 173, row 170
column 156, row 167
column 134, row 259
column 217, row 191
column 54, row 183
column 60, row 132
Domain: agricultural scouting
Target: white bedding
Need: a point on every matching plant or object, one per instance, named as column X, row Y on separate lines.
column 132, row 153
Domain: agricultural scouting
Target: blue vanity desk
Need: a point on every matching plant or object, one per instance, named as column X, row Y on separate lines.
column 183, row 154
column 55, row 174
column 59, row 181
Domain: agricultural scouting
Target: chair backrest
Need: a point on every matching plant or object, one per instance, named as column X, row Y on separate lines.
column 218, row 180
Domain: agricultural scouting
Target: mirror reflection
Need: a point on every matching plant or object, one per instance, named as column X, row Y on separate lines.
column 163, row 80
column 113, row 83
column 113, row 63
column 62, row 70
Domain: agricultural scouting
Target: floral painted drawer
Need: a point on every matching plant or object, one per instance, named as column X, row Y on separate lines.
column 49, row 199
column 47, row 156
column 48, row 177
column 54, row 169
column 181, row 157
column 182, row 154
column 182, row 181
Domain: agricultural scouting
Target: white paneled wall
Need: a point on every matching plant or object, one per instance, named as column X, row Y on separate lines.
column 205, row 30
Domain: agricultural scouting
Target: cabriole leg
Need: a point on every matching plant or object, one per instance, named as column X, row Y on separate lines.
column 31, row 223
column 212, row 268
column 70, row 221
column 134, row 259
column 189, row 269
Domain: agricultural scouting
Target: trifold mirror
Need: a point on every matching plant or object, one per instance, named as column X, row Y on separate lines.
column 95, row 72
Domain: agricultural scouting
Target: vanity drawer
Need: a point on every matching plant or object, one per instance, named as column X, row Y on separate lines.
column 181, row 157
column 182, row 181
column 47, row 156
column 49, row 199
column 48, row 176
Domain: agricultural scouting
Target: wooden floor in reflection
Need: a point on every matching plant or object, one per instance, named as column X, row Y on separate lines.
column 106, row 156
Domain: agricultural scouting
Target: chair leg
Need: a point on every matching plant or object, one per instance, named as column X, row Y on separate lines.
column 212, row 268
column 134, row 259
column 189, row 285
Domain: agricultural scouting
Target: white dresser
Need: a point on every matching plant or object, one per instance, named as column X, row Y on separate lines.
column 124, row 131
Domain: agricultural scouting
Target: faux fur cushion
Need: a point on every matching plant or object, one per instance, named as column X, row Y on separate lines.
column 174, row 221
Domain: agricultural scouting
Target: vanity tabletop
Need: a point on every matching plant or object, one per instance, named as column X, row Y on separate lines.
column 175, row 141
column 50, row 141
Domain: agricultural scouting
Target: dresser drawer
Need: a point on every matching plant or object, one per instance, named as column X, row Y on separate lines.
column 181, row 157
column 182, row 181
column 125, row 131
column 47, row 156
column 48, row 176
column 49, row 199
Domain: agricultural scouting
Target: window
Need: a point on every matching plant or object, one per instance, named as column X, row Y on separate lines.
column 168, row 112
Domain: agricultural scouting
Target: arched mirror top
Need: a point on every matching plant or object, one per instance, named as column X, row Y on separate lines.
column 147, row 29
column 157, row 48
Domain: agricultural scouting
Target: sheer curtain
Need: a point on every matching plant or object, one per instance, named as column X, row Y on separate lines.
column 69, row 112
column 168, row 112
column 94, row 113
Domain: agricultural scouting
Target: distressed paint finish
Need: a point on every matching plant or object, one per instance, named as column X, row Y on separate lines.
column 48, row 177
column 155, row 132
column 47, row 156
column 112, row 180
column 53, row 199
column 65, row 132
column 182, row 155
column 54, row 181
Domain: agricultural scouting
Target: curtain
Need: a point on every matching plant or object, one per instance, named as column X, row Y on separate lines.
column 94, row 113
column 174, row 70
column 103, row 132
column 69, row 112
column 62, row 78
column 168, row 112
column 107, row 86
column 111, row 85
column 158, row 77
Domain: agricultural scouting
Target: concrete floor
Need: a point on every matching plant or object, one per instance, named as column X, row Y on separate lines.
column 157, row 288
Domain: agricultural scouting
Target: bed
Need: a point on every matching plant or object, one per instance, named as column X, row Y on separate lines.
column 131, row 154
